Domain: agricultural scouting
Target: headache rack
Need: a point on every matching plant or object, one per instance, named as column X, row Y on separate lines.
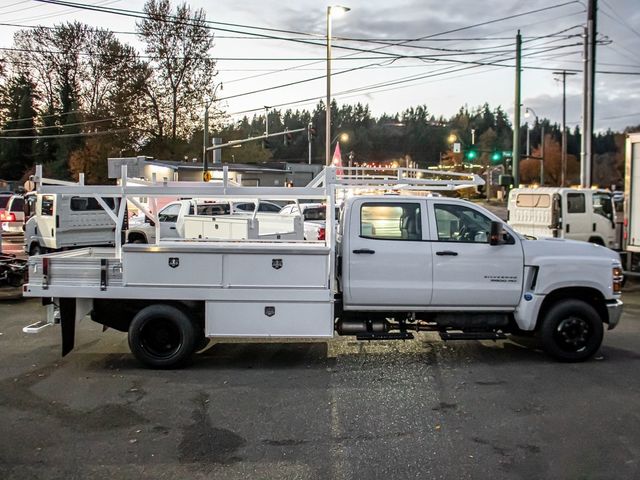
column 323, row 188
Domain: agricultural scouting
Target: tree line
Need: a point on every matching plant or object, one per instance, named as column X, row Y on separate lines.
column 73, row 95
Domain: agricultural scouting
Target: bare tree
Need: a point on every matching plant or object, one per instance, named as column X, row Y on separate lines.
column 181, row 72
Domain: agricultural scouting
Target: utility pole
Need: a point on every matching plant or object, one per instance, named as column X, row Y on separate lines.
column 542, row 155
column 563, row 175
column 586, row 153
column 516, row 116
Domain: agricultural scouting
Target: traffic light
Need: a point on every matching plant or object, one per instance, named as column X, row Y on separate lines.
column 311, row 132
column 288, row 138
column 471, row 155
column 496, row 157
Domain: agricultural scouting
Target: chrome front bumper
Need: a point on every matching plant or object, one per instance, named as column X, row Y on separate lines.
column 614, row 309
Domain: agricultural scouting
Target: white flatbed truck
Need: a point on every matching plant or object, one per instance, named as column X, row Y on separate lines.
column 397, row 264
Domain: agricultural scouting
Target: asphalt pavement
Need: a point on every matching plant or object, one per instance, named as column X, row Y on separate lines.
column 340, row 410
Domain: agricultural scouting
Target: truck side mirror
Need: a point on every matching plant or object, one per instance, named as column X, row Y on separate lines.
column 496, row 233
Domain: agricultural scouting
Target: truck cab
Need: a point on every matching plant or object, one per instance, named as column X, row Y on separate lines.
column 436, row 250
column 573, row 213
column 60, row 221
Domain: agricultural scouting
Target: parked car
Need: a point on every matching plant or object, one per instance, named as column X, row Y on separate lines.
column 4, row 199
column 12, row 217
column 172, row 216
column 314, row 215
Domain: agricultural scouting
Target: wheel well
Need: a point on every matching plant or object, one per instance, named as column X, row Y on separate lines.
column 596, row 240
column 118, row 314
column 588, row 295
column 133, row 236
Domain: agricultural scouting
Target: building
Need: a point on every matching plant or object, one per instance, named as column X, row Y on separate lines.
column 274, row 174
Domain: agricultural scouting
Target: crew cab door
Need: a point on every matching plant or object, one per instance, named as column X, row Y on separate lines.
column 467, row 270
column 168, row 218
column 577, row 216
column 387, row 262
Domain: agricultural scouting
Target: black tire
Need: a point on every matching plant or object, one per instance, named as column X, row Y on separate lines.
column 138, row 239
column 202, row 343
column 162, row 336
column 36, row 249
column 571, row 331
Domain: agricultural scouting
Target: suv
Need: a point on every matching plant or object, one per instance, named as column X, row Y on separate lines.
column 12, row 217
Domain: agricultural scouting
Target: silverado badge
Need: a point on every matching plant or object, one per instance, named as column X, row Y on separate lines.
column 174, row 262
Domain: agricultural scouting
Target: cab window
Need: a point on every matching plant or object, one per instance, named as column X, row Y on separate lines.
column 391, row 221
column 533, row 200
column 46, row 206
column 575, row 203
column 169, row 213
column 457, row 223
column 602, row 205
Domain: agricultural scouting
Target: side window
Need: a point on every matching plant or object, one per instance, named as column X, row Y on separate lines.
column 533, row 200
column 575, row 203
column 268, row 207
column 169, row 213
column 46, row 208
column 17, row 205
column 30, row 206
column 391, row 221
column 457, row 223
column 83, row 204
column 602, row 205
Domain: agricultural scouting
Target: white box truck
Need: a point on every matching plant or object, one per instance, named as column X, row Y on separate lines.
column 573, row 213
column 631, row 222
column 398, row 264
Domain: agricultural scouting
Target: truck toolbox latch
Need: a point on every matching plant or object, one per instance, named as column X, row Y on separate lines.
column 103, row 274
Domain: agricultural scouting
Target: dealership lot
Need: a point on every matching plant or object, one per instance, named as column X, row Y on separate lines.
column 343, row 409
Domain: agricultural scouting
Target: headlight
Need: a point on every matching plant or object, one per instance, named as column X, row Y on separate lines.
column 617, row 279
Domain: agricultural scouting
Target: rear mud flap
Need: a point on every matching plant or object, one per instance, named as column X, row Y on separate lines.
column 68, row 324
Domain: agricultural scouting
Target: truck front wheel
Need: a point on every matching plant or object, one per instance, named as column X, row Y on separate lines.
column 162, row 336
column 571, row 331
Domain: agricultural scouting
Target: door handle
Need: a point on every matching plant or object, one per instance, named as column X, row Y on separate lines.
column 447, row 252
column 365, row 250
column 172, row 228
column 568, row 228
column 594, row 227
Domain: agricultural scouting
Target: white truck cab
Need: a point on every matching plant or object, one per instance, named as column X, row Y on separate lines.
column 60, row 221
column 572, row 213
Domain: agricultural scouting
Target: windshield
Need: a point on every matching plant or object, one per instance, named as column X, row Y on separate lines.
column 4, row 199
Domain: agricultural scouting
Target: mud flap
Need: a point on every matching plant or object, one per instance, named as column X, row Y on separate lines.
column 68, row 324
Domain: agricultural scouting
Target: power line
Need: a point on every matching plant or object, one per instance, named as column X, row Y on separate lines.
column 67, row 135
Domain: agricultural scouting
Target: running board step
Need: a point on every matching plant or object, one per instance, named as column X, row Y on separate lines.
column 385, row 336
column 472, row 336
column 36, row 327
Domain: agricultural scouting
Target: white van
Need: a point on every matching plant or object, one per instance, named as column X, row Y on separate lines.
column 573, row 213
column 66, row 221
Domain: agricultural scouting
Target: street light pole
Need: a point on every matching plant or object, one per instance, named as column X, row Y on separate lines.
column 563, row 173
column 330, row 9
column 205, row 135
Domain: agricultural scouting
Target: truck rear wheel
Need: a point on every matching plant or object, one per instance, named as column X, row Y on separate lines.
column 162, row 336
column 571, row 331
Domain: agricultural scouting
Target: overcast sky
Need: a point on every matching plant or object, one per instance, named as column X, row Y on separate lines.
column 442, row 86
